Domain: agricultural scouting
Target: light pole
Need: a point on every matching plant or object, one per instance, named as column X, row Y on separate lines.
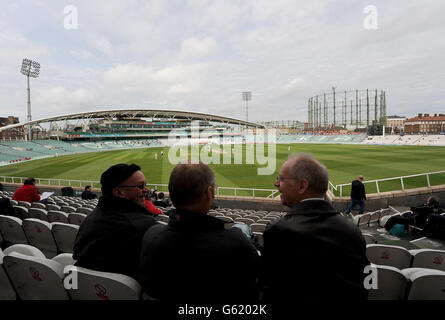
column 30, row 69
column 247, row 95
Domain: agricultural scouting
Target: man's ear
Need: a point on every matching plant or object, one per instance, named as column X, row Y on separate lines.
column 117, row 192
column 302, row 186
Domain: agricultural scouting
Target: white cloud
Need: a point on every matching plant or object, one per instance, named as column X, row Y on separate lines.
column 196, row 48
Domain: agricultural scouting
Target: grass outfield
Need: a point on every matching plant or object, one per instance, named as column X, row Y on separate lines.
column 344, row 162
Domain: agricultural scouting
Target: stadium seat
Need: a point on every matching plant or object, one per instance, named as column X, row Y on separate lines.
column 247, row 221
column 65, row 259
column 11, row 229
column 260, row 237
column 385, row 219
column 369, row 238
column 387, row 255
column 428, row 258
column 361, row 219
column 67, row 209
column 21, row 212
column 13, row 202
column 24, row 204
column 64, row 235
column 84, row 210
column 38, row 213
column 96, row 285
column 39, row 235
column 57, row 216
column 164, row 218
column 51, row 206
column 7, row 291
column 391, row 284
column 374, row 217
column 38, row 205
column 426, row 284
column 258, row 227
column 76, row 218
column 25, row 249
column 35, row 278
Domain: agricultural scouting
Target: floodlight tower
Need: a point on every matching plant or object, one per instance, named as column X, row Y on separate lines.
column 30, row 69
column 247, row 95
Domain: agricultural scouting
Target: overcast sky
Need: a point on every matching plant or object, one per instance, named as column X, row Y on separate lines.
column 199, row 55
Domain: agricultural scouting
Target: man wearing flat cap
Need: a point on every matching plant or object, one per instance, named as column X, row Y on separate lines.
column 109, row 239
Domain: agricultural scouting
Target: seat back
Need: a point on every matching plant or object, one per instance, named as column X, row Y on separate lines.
column 84, row 210
column 35, row 278
column 11, row 229
column 64, row 235
column 39, row 235
column 7, row 291
column 21, row 212
column 428, row 258
column 361, row 219
column 258, row 227
column 67, row 209
column 374, row 217
column 38, row 205
column 51, row 206
column 76, row 218
column 369, row 238
column 57, row 216
column 25, row 249
column 387, row 255
column 24, row 204
column 427, row 285
column 391, row 284
column 96, row 285
column 38, row 213
column 247, row 221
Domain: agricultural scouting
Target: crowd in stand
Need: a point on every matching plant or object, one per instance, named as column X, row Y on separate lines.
column 311, row 253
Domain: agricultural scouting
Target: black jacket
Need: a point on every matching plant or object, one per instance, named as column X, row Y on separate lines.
column 110, row 237
column 87, row 195
column 194, row 258
column 358, row 190
column 313, row 253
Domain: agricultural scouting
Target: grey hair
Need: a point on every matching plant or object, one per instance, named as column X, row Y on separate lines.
column 305, row 166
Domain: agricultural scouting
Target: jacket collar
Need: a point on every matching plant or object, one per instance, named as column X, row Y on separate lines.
column 312, row 207
column 111, row 204
column 194, row 220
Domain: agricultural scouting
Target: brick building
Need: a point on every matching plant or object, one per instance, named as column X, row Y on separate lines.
column 426, row 124
column 15, row 133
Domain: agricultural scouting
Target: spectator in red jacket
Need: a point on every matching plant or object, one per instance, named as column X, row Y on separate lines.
column 28, row 192
column 150, row 206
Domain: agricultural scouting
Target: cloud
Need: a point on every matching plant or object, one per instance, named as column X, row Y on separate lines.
column 196, row 48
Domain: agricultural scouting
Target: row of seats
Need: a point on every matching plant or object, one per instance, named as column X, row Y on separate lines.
column 50, row 238
column 26, row 274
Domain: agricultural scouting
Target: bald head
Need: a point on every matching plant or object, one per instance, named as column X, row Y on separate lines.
column 189, row 185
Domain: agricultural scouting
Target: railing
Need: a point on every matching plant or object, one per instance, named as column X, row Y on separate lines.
column 378, row 183
column 267, row 193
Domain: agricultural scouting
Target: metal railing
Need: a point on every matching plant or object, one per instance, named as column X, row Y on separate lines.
column 268, row 193
column 339, row 187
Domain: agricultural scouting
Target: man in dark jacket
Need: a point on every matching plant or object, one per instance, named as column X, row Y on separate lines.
column 110, row 237
column 358, row 195
column 312, row 253
column 201, row 260
column 87, row 194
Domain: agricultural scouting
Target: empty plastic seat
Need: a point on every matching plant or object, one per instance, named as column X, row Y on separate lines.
column 38, row 205
column 38, row 213
column 387, row 255
column 6, row 289
column 67, row 209
column 247, row 221
column 25, row 249
column 374, row 217
column 57, row 216
column 428, row 258
column 96, row 285
column 84, row 210
column 65, row 235
column 21, row 212
column 35, row 278
column 51, row 206
column 258, row 227
column 391, row 284
column 24, row 204
column 11, row 229
column 39, row 235
column 361, row 219
column 369, row 238
column 76, row 218
column 426, row 284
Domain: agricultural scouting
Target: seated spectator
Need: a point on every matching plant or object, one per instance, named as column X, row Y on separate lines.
column 162, row 201
column 87, row 194
column 28, row 192
column 417, row 217
column 110, row 237
column 150, row 206
column 202, row 261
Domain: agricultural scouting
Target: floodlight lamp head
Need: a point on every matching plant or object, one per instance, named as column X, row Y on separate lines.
column 30, row 68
